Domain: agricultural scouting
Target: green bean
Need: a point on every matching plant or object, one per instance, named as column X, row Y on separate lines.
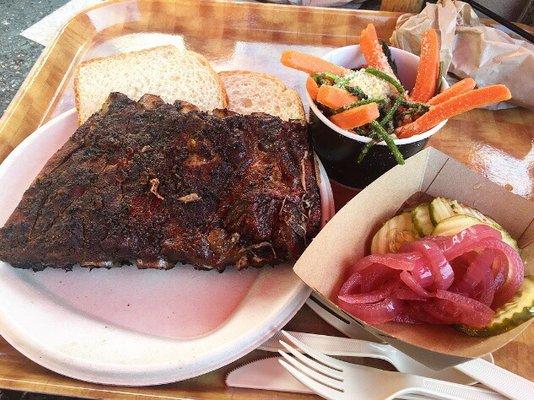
column 365, row 150
column 418, row 106
column 387, row 53
column 389, row 116
column 381, row 132
column 344, row 83
column 360, row 131
column 385, row 77
column 356, row 91
column 391, row 127
column 321, row 77
column 341, row 82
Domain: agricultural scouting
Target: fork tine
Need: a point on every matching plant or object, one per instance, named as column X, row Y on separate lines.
column 326, row 360
column 320, row 389
column 333, row 383
column 333, row 373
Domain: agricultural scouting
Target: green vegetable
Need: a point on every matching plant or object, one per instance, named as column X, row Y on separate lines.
column 393, row 234
column 387, row 53
column 386, row 137
column 325, row 78
column 510, row 315
column 385, row 77
column 344, row 83
column 345, row 80
column 442, row 208
column 391, row 127
column 421, row 219
column 365, row 150
column 360, row 131
column 355, row 90
column 367, row 147
column 419, row 107
column 389, row 116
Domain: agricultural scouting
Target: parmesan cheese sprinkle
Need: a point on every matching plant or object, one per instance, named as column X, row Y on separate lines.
column 372, row 86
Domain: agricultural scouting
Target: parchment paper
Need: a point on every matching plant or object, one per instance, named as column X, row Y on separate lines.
column 469, row 48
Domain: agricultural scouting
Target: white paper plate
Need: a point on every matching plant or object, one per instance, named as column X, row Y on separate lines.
column 134, row 327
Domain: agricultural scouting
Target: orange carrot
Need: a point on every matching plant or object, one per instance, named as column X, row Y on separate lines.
column 464, row 86
column 428, row 69
column 455, row 106
column 334, row 97
column 309, row 64
column 312, row 87
column 372, row 50
column 356, row 116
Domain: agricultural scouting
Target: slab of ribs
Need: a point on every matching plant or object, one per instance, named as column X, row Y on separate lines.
column 156, row 184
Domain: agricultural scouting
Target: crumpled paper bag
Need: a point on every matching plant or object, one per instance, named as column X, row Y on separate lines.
column 469, row 48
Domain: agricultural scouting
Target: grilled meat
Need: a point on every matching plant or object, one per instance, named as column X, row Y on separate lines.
column 156, row 184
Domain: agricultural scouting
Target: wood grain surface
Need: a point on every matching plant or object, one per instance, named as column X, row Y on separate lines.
column 497, row 144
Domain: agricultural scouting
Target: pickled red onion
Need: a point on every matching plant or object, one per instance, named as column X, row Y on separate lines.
column 370, row 297
column 440, row 280
column 410, row 281
column 441, row 269
column 375, row 313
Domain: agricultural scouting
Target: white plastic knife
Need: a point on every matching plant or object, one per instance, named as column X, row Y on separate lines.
column 268, row 374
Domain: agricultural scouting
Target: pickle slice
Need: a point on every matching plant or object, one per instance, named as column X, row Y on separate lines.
column 393, row 234
column 442, row 208
column 421, row 219
column 518, row 310
column 452, row 225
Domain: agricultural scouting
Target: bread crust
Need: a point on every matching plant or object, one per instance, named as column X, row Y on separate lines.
column 275, row 81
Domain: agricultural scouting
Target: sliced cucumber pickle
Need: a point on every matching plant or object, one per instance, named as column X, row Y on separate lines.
column 452, row 225
column 510, row 315
column 396, row 231
column 442, row 208
column 421, row 219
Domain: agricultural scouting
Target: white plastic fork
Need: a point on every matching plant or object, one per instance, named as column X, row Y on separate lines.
column 347, row 347
column 339, row 380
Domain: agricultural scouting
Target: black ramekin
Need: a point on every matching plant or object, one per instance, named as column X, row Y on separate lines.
column 338, row 149
column 339, row 155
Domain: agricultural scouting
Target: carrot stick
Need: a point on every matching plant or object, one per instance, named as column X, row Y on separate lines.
column 334, row 97
column 356, row 117
column 312, row 87
column 372, row 50
column 309, row 64
column 428, row 69
column 463, row 86
column 455, row 106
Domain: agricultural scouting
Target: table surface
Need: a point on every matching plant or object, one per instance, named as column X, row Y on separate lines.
column 18, row 54
column 500, row 145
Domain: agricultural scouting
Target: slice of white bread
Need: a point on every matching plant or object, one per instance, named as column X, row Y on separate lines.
column 250, row 92
column 166, row 71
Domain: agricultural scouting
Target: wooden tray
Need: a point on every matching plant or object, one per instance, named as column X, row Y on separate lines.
column 247, row 36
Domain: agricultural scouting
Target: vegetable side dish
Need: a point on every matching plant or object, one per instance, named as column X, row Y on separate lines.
column 371, row 101
column 441, row 263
